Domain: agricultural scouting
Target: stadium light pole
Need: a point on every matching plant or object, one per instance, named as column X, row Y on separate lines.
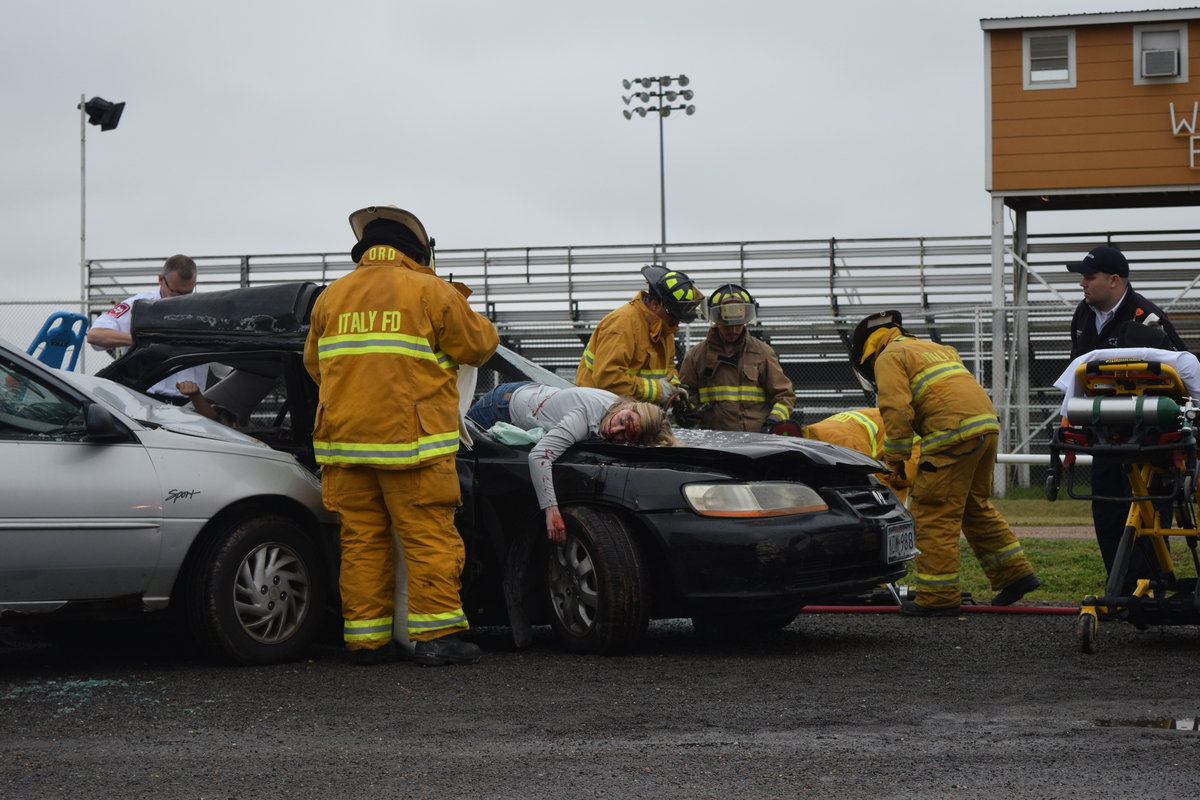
column 664, row 96
column 96, row 111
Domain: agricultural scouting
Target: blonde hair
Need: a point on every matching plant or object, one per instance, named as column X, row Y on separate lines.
column 654, row 429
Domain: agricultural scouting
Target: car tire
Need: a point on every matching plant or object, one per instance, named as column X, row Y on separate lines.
column 597, row 584
column 726, row 625
column 258, row 594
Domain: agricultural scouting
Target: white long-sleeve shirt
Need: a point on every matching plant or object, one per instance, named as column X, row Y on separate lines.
column 567, row 415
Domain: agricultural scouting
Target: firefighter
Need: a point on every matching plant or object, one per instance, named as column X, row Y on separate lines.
column 862, row 430
column 384, row 347
column 925, row 390
column 632, row 350
column 735, row 377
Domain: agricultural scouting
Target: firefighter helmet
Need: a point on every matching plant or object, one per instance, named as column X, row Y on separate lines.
column 732, row 305
column 360, row 219
column 866, row 341
column 675, row 290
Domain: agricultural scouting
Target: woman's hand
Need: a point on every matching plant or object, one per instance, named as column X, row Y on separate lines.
column 556, row 529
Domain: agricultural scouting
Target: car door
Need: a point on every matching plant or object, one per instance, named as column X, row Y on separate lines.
column 78, row 520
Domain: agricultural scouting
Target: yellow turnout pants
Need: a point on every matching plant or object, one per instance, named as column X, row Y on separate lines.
column 952, row 492
column 420, row 504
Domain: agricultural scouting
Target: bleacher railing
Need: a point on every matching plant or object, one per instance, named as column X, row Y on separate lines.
column 546, row 300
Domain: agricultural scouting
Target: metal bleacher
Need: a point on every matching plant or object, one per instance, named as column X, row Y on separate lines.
column 545, row 301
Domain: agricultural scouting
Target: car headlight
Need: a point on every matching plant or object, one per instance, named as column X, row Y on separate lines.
column 757, row 499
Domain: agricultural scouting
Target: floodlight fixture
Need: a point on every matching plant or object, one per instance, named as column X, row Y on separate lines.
column 663, row 109
column 96, row 111
column 103, row 113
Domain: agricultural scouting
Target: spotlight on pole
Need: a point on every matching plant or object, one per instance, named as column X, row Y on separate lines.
column 103, row 113
column 665, row 99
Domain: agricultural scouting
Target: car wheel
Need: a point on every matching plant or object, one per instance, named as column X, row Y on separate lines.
column 729, row 625
column 597, row 584
column 257, row 596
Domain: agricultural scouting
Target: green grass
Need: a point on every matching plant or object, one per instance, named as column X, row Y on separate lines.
column 1030, row 507
column 1069, row 569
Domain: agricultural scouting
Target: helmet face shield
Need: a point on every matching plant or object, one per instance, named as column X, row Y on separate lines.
column 730, row 305
column 733, row 312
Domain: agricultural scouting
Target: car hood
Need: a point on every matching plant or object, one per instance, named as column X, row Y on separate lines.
column 698, row 446
column 152, row 413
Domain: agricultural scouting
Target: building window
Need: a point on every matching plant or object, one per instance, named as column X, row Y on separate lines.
column 1049, row 59
column 1160, row 54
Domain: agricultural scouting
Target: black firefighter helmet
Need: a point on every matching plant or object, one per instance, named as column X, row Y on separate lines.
column 675, row 290
column 863, row 347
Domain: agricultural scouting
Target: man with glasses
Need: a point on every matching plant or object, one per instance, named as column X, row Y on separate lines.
column 111, row 330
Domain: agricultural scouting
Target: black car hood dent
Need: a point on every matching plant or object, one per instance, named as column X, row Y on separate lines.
column 704, row 447
column 651, row 478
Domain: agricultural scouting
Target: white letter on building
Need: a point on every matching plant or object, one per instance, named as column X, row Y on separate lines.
column 1182, row 125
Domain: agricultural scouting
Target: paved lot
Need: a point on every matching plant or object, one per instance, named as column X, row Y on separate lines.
column 838, row 705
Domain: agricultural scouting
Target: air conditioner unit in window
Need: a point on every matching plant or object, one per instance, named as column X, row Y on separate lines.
column 1160, row 63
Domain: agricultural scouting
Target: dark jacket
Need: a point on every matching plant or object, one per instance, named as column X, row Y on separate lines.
column 1085, row 338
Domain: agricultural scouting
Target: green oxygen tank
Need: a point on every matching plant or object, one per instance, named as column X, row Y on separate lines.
column 1132, row 412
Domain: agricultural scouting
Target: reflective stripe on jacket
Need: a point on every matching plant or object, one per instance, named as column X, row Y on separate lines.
column 861, row 430
column 629, row 352
column 741, row 395
column 384, row 347
column 925, row 391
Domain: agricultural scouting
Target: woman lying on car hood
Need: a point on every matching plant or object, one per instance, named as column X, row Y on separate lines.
column 568, row 416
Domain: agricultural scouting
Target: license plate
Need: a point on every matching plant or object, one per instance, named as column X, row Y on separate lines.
column 901, row 542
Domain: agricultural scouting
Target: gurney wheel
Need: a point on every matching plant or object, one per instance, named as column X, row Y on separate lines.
column 1087, row 632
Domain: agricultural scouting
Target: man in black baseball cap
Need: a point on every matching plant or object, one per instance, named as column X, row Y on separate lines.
column 1109, row 301
column 1101, row 322
column 1102, row 259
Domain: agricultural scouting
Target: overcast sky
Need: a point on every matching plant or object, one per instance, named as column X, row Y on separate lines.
column 257, row 126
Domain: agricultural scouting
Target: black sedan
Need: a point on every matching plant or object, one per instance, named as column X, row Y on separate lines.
column 736, row 531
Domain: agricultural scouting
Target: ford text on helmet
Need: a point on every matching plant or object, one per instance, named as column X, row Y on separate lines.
column 732, row 305
column 378, row 225
column 865, row 343
column 674, row 290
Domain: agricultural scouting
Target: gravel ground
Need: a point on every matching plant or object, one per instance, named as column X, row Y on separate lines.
column 868, row 705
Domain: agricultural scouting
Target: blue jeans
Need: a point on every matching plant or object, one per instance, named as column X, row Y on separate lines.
column 493, row 406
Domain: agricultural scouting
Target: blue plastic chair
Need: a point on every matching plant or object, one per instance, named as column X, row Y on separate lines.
column 61, row 332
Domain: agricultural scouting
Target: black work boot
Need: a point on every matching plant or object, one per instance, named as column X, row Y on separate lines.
column 1016, row 590
column 449, row 649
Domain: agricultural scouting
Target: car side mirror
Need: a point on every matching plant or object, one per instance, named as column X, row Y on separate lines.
column 101, row 426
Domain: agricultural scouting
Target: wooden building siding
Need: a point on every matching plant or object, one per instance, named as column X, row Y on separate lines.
column 1106, row 132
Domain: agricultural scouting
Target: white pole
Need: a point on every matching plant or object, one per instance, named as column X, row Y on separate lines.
column 82, row 206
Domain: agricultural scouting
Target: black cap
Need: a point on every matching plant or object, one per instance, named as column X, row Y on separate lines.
column 1102, row 259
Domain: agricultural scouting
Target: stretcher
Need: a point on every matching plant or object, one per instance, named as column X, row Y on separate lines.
column 1137, row 414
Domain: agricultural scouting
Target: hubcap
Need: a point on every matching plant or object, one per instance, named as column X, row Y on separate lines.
column 573, row 586
column 270, row 595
